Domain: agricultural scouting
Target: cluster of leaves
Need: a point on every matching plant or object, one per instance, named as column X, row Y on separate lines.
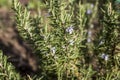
column 64, row 42
column 7, row 71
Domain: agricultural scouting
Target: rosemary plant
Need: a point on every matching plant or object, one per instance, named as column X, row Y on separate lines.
column 74, row 39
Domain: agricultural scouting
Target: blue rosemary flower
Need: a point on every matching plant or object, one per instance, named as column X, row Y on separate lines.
column 105, row 56
column 70, row 30
column 89, row 11
column 53, row 50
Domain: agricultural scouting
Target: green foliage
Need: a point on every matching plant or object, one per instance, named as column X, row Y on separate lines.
column 63, row 43
column 7, row 71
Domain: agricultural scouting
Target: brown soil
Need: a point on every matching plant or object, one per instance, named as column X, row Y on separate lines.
column 19, row 53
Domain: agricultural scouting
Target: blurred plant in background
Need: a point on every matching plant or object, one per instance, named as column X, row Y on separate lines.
column 74, row 40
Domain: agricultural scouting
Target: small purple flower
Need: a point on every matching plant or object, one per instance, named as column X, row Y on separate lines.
column 89, row 11
column 71, row 42
column 70, row 30
column 53, row 49
column 105, row 56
